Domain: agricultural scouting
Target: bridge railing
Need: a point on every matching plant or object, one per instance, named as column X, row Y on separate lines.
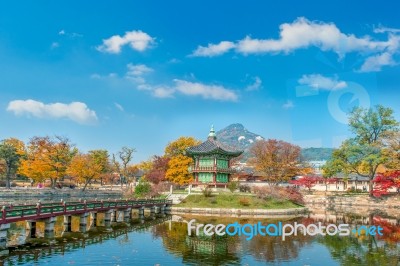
column 53, row 209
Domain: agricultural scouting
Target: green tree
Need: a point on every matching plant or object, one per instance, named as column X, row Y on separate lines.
column 11, row 159
column 366, row 151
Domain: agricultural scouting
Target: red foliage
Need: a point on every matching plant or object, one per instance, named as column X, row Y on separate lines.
column 306, row 181
column 391, row 232
column 157, row 172
column 384, row 182
column 294, row 195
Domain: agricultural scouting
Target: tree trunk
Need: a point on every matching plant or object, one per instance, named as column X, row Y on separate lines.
column 371, row 187
column 53, row 183
column 86, row 183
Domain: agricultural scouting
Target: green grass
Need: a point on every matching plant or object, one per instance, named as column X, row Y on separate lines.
column 235, row 201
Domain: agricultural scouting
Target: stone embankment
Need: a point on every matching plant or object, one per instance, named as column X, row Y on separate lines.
column 357, row 204
column 31, row 196
column 239, row 212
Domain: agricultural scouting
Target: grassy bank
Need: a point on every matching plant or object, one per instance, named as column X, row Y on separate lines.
column 235, row 201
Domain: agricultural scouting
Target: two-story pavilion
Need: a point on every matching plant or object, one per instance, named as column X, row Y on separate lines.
column 212, row 161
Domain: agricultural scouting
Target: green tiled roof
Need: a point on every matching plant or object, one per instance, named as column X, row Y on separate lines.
column 212, row 146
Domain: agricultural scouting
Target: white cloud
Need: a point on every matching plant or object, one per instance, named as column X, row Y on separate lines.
column 376, row 62
column 386, row 29
column 214, row 49
column 163, row 92
column 241, row 138
column 256, row 85
column 318, row 81
column 137, row 70
column 137, row 40
column 69, row 34
column 54, row 45
column 288, row 105
column 303, row 33
column 108, row 76
column 258, row 138
column 119, row 107
column 137, row 74
column 214, row 92
column 75, row 111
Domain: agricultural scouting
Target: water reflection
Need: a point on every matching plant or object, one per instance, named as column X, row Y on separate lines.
column 166, row 242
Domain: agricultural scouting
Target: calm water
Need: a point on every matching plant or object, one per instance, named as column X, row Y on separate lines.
column 165, row 242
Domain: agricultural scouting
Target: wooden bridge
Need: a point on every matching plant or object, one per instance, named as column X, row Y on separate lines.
column 113, row 210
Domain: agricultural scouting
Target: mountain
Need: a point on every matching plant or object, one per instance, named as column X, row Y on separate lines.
column 236, row 135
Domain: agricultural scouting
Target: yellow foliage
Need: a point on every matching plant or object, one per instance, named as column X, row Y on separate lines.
column 85, row 168
column 178, row 170
column 180, row 145
column 46, row 158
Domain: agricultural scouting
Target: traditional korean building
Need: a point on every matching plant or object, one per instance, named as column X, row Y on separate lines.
column 212, row 161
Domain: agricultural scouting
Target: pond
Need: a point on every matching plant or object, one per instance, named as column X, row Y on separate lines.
column 165, row 241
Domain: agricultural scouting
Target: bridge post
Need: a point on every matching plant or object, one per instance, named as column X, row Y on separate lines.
column 31, row 226
column 127, row 215
column 94, row 219
column 107, row 218
column 83, row 222
column 167, row 208
column 141, row 213
column 152, row 210
column 49, row 227
column 67, row 223
column 162, row 209
column 3, row 236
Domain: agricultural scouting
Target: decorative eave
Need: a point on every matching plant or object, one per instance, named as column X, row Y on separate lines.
column 212, row 146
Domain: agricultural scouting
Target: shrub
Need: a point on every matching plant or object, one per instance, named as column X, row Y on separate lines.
column 207, row 192
column 293, row 194
column 142, row 189
column 354, row 190
column 244, row 188
column 232, row 186
column 244, row 201
column 279, row 194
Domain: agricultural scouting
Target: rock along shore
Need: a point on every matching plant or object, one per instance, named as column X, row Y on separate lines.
column 239, row 212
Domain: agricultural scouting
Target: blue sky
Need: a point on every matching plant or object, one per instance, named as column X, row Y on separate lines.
column 143, row 73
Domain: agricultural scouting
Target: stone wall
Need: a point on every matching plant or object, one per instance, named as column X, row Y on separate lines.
column 356, row 204
column 238, row 212
column 31, row 196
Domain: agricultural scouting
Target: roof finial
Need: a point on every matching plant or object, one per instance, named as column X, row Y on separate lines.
column 212, row 133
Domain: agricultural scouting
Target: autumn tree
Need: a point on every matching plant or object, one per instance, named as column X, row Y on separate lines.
column 278, row 160
column 102, row 158
column 178, row 165
column 366, row 150
column 47, row 157
column 85, row 168
column 158, row 170
column 307, row 181
column 179, row 146
column 125, row 155
column 10, row 159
